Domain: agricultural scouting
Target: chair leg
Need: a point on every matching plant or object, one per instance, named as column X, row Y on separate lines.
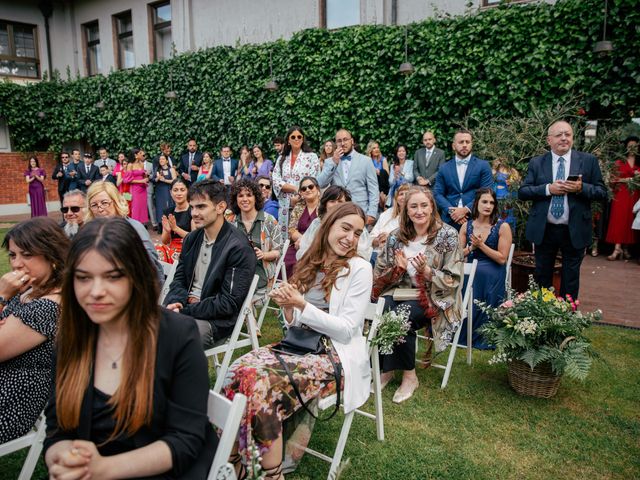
column 263, row 312
column 252, row 330
column 31, row 461
column 470, row 331
column 377, row 392
column 342, row 441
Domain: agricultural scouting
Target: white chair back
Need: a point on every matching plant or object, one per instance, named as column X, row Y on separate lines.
column 33, row 440
column 225, row 415
column 282, row 271
column 169, row 272
column 507, row 278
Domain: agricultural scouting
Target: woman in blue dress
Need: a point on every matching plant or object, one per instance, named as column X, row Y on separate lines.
column 163, row 178
column 504, row 179
column 401, row 172
column 486, row 238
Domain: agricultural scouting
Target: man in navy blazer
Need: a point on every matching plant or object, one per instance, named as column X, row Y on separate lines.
column 562, row 184
column 87, row 173
column 225, row 169
column 458, row 179
column 190, row 162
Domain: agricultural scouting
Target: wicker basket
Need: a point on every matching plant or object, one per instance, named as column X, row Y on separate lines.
column 540, row 382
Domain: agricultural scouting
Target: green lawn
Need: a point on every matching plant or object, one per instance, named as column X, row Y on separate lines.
column 478, row 428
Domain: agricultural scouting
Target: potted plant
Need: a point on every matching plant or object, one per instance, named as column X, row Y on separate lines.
column 541, row 338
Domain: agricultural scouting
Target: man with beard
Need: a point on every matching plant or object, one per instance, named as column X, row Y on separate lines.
column 458, row 179
column 74, row 208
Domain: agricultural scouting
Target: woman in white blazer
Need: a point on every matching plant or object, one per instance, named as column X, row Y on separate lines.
column 328, row 293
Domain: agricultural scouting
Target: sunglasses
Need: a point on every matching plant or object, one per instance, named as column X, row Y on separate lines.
column 265, row 186
column 295, row 137
column 308, row 187
column 73, row 209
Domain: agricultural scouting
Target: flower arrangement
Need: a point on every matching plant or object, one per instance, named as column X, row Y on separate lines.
column 392, row 329
column 538, row 327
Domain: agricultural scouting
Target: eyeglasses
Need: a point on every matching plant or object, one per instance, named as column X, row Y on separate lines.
column 340, row 141
column 308, row 187
column 295, row 137
column 65, row 156
column 73, row 209
column 103, row 205
column 265, row 186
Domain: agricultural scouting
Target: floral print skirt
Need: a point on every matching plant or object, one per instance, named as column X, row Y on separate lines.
column 272, row 402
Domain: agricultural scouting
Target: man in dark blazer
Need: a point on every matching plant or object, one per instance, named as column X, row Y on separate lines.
column 562, row 183
column 225, row 169
column 427, row 161
column 190, row 162
column 61, row 174
column 87, row 173
column 215, row 268
column 458, row 179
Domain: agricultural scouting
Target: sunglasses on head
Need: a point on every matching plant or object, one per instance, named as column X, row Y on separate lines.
column 295, row 137
column 73, row 209
column 266, row 186
column 307, row 187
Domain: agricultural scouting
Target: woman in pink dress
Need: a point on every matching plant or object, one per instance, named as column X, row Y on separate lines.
column 136, row 177
column 35, row 178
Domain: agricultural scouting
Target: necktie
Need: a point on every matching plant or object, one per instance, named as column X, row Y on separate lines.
column 462, row 161
column 190, row 160
column 87, row 170
column 557, row 201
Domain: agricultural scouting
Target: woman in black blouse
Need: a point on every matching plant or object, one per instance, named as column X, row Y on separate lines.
column 131, row 385
column 176, row 222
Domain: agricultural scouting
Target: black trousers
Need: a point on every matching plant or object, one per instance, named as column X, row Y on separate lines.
column 556, row 237
column 404, row 354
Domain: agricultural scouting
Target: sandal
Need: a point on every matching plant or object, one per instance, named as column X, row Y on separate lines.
column 273, row 472
column 617, row 253
column 241, row 470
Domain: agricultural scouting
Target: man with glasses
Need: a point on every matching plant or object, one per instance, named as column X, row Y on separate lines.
column 353, row 171
column 74, row 209
column 61, row 173
column 271, row 204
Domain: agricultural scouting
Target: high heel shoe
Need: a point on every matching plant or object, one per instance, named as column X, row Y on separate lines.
column 626, row 254
column 594, row 250
column 617, row 253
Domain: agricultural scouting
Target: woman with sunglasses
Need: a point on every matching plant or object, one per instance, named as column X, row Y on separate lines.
column 131, row 382
column 29, row 311
column 329, row 293
column 296, row 162
column 271, row 204
column 104, row 200
column 303, row 214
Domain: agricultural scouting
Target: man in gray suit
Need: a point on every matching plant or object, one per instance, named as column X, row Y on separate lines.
column 427, row 161
column 353, row 171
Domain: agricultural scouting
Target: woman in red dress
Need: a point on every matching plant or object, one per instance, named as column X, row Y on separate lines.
column 620, row 232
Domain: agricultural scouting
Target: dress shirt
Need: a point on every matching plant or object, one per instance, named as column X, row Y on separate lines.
column 191, row 155
column 202, row 265
column 427, row 155
column 345, row 161
column 462, row 170
column 564, row 219
column 226, row 168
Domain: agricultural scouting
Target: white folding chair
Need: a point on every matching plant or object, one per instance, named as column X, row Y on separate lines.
column 169, row 272
column 34, row 440
column 373, row 313
column 280, row 268
column 467, row 313
column 237, row 339
column 507, row 278
column 225, row 415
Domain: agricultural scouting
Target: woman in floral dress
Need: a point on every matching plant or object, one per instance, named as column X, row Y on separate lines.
column 329, row 293
column 296, row 162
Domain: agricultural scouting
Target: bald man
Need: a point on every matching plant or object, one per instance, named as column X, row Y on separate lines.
column 562, row 183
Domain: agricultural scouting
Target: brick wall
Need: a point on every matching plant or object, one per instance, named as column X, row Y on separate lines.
column 14, row 187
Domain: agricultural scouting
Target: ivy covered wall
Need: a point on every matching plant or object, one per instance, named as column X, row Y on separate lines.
column 498, row 62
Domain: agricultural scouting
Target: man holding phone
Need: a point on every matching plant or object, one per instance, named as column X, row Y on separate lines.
column 562, row 183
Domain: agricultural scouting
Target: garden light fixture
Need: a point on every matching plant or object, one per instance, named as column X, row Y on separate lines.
column 406, row 68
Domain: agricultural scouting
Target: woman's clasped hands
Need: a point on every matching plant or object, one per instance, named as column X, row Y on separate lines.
column 81, row 461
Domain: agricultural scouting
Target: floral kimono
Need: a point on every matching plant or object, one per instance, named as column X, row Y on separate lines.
column 442, row 293
column 307, row 165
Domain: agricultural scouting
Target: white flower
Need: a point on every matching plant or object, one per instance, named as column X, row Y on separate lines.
column 526, row 327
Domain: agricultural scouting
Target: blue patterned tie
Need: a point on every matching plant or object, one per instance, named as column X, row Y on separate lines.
column 557, row 201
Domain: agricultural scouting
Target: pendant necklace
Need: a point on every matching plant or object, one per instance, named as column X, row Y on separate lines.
column 114, row 361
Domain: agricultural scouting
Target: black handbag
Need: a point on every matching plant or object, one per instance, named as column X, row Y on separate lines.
column 303, row 341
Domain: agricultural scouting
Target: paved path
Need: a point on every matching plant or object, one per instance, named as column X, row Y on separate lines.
column 610, row 286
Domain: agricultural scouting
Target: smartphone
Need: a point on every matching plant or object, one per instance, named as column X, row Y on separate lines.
column 573, row 178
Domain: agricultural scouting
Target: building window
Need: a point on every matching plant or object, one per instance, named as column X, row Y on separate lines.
column 123, row 28
column 161, row 30
column 339, row 13
column 93, row 54
column 18, row 50
column 495, row 3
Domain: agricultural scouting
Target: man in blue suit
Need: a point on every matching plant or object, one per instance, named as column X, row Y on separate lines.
column 225, row 169
column 458, row 179
column 353, row 171
column 562, row 183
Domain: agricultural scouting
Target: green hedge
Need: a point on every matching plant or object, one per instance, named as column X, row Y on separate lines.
column 498, row 62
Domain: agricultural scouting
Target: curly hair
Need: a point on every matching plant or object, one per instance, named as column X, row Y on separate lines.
column 249, row 185
column 304, row 277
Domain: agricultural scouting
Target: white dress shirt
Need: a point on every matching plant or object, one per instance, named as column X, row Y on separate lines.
column 462, row 170
column 564, row 219
column 226, row 168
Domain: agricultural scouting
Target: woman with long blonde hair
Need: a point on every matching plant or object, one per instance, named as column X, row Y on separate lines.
column 131, row 385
